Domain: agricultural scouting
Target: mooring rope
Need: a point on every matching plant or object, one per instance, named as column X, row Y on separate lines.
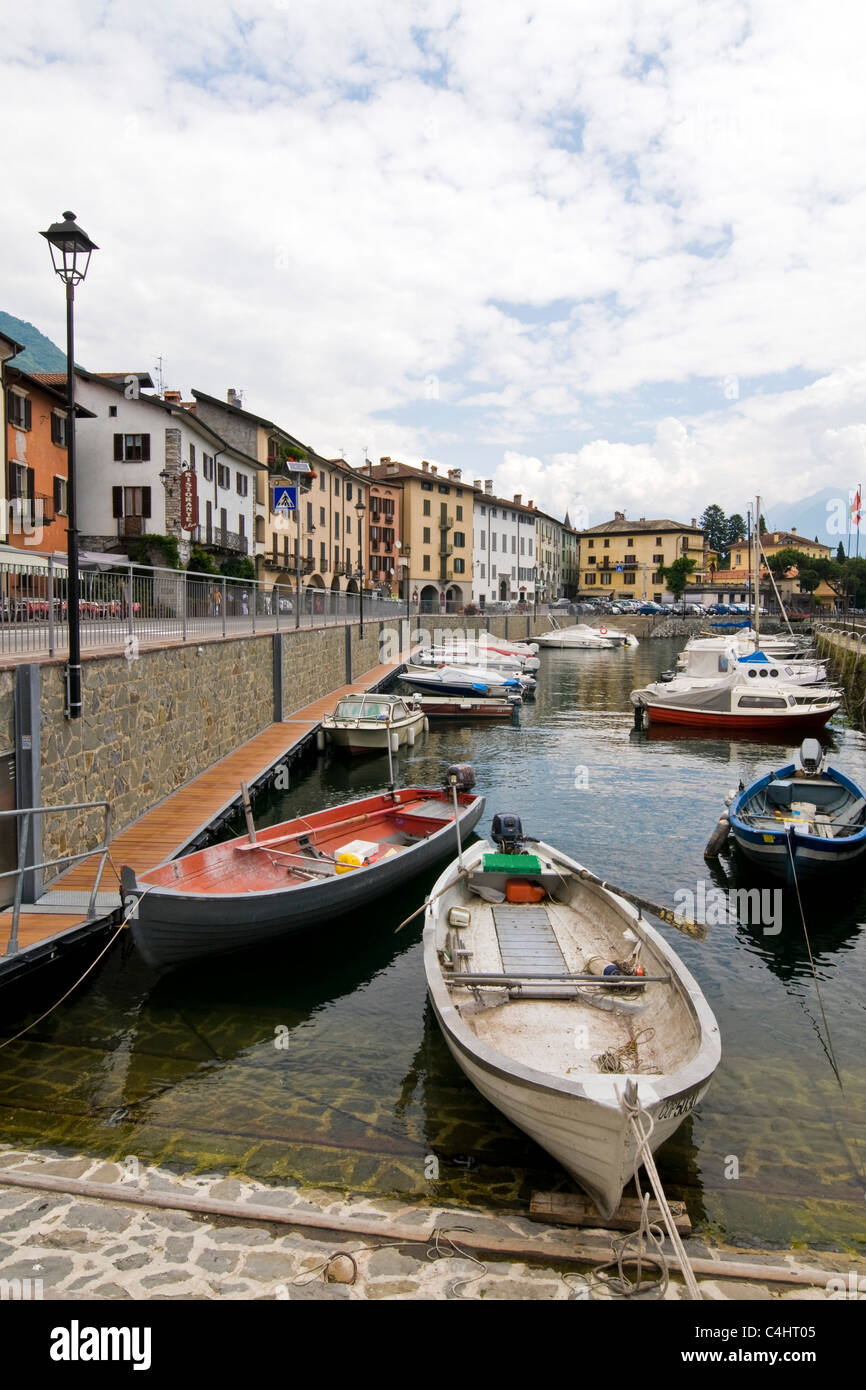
column 828, row 1039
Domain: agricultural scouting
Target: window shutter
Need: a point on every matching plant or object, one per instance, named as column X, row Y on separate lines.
column 58, row 497
column 145, row 449
column 27, row 417
column 145, row 496
column 31, row 481
column 118, row 456
column 117, row 497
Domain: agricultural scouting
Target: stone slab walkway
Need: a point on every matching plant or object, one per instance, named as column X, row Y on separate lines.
column 71, row 1245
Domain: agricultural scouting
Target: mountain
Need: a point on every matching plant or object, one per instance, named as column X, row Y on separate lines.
column 42, row 355
column 824, row 514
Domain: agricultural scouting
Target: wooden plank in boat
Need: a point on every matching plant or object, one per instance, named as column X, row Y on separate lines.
column 572, row 1209
column 427, row 810
column 526, row 938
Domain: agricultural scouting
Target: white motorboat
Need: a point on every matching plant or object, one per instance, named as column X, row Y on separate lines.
column 540, row 1007
column 703, row 664
column 461, row 680
column 739, row 702
column 581, row 637
column 370, row 723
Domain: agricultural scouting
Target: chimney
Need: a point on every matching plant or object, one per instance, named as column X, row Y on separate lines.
column 233, row 397
column 518, row 497
column 433, row 468
column 694, row 523
column 619, row 516
column 172, row 396
column 643, row 518
column 385, row 458
column 488, row 486
column 457, row 472
column 793, row 530
column 531, row 504
column 478, row 484
column 425, row 467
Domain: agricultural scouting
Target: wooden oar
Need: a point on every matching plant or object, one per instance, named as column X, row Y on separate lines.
column 411, row 918
column 363, row 819
column 696, row 930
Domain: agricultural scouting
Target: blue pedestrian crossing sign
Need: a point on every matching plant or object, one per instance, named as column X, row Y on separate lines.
column 285, row 498
column 619, row 569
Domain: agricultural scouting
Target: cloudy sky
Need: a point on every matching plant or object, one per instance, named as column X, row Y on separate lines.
column 607, row 253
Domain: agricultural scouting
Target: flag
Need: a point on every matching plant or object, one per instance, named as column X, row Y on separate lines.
column 855, row 508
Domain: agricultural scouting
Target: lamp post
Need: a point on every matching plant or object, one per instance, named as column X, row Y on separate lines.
column 535, row 591
column 360, row 509
column 71, row 249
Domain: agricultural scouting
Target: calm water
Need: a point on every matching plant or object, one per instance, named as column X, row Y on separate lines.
column 184, row 1070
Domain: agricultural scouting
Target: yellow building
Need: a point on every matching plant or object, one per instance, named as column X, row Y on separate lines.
column 436, row 532
column 623, row 559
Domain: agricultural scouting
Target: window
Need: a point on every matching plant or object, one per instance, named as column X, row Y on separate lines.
column 504, row 542
column 18, row 410
column 658, row 540
column 493, row 511
column 514, row 545
column 656, row 578
column 529, row 547
column 658, row 559
column 224, row 478
column 460, row 538
column 242, row 484
column 323, row 556
column 483, row 540
column 492, row 571
column 336, row 487
column 483, row 511
column 523, row 545
column 444, row 489
column 336, row 525
column 322, row 482
column 492, row 540
column 131, row 448
column 321, row 516
column 592, row 560
column 58, row 429
column 425, row 563
column 426, row 506
column 605, row 578
column 607, row 544
column 192, row 457
column 591, row 578
column 348, row 492
column 61, row 495
column 347, row 522
column 426, row 487
column 590, row 543
column 425, row 536
column 459, row 511
column 459, row 565
column 482, row 572
column 629, row 578
column 309, row 516
column 207, row 467
column 130, row 501
column 112, row 411
column 241, row 524
column 630, row 541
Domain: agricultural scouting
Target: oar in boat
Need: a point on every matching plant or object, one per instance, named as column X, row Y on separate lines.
column 248, row 812
column 697, row 930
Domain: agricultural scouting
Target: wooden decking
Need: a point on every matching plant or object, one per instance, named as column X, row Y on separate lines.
column 174, row 822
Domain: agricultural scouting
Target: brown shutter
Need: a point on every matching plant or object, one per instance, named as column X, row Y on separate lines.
column 117, row 498
column 145, row 497
column 28, row 415
column 118, row 455
column 58, row 499
column 145, row 449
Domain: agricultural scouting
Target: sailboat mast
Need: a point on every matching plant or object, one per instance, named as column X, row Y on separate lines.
column 757, row 573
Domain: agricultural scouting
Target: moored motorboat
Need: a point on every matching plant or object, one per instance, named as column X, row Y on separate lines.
column 464, row 707
column 372, row 723
column 801, row 820
column 533, row 975
column 462, row 680
column 581, row 637
column 735, row 704
column 298, row 874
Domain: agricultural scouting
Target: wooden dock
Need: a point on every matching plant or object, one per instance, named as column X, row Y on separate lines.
column 174, row 823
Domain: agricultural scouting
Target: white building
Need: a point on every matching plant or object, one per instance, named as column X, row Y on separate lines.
column 129, row 459
column 504, row 547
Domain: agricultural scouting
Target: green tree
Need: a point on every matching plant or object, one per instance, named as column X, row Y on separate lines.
column 676, row 575
column 201, row 561
column 715, row 528
column 242, row 568
column 840, row 554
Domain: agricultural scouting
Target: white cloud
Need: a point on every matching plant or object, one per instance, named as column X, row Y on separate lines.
column 328, row 204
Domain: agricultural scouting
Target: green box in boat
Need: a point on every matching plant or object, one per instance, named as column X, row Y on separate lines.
column 510, row 864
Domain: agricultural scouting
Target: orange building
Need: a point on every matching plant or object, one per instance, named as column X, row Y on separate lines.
column 36, row 463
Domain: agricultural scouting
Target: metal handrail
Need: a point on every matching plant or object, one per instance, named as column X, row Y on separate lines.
column 23, row 844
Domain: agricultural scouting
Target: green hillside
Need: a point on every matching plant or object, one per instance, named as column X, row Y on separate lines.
column 42, row 355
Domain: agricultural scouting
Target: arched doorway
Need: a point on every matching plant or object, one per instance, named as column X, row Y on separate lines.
column 429, row 599
column 453, row 599
column 503, row 590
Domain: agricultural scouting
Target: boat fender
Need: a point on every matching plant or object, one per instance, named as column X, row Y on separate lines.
column 603, row 631
column 717, row 840
column 410, row 735
column 320, row 740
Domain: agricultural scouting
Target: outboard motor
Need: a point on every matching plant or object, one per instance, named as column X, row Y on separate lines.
column 461, row 776
column 507, row 833
column 811, row 756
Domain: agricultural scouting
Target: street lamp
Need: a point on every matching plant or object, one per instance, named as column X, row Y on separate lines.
column 535, row 591
column 71, row 249
column 360, row 509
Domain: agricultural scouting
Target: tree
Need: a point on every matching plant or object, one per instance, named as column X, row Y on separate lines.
column 715, row 528
column 676, row 575
column 840, row 554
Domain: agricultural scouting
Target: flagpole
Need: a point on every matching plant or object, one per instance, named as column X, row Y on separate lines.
column 859, row 504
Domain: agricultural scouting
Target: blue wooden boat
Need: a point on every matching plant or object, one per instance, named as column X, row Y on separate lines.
column 805, row 818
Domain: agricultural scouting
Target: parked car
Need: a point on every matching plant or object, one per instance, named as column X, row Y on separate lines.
column 286, row 605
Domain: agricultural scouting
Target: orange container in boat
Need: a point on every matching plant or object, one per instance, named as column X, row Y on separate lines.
column 520, row 890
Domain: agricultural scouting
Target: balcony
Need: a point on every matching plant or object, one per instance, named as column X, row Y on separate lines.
column 214, row 536
column 445, row 523
column 445, row 550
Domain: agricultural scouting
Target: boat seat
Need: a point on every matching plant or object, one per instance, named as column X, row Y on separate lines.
column 850, row 822
column 780, row 794
column 527, row 941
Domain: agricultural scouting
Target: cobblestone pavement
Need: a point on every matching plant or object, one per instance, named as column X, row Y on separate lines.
column 71, row 1245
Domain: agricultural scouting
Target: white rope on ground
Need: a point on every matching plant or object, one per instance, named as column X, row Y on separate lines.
column 636, row 1113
